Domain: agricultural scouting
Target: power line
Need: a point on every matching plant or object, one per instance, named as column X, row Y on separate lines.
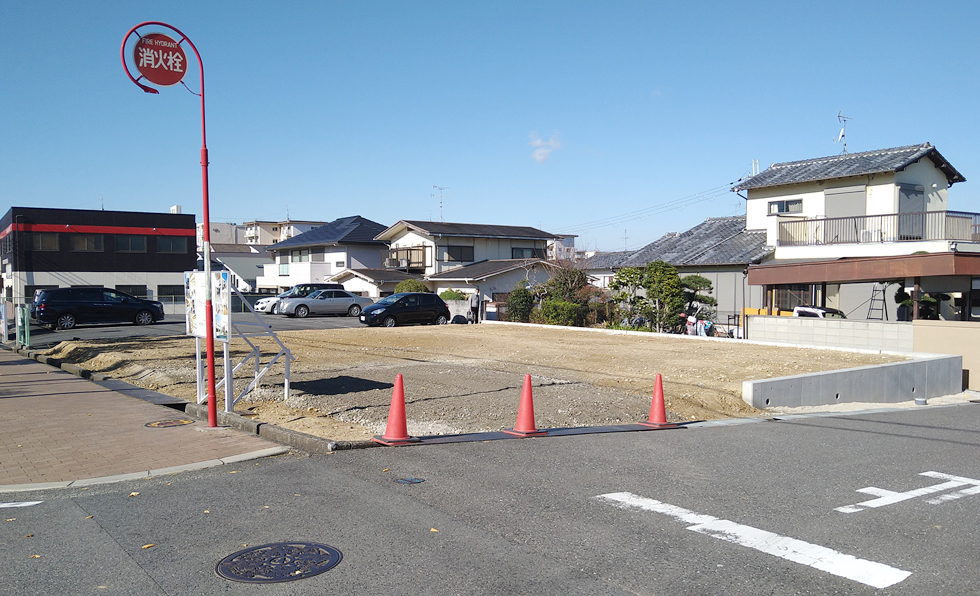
column 693, row 199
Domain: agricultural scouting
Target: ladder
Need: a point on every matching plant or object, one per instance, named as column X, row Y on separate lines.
column 876, row 310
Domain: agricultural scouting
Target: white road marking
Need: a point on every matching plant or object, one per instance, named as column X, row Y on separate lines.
column 849, row 567
column 20, row 504
column 887, row 497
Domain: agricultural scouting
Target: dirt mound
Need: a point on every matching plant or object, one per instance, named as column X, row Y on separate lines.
column 467, row 378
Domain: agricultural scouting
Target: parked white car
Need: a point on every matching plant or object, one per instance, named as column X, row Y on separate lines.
column 267, row 305
column 324, row 302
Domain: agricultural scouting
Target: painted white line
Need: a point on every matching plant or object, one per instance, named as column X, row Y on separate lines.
column 849, row 567
column 888, row 497
column 20, row 504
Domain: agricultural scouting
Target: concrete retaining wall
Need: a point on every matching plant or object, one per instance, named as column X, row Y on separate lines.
column 884, row 336
column 928, row 376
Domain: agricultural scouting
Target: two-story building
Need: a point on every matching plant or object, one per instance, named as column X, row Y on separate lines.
column 143, row 254
column 271, row 232
column 849, row 230
column 483, row 258
column 320, row 253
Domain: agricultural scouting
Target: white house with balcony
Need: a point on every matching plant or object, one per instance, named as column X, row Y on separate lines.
column 432, row 247
column 323, row 252
column 845, row 226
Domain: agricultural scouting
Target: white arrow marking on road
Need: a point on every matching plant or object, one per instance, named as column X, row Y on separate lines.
column 20, row 504
column 819, row 557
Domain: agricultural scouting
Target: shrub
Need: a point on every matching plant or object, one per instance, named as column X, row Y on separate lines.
column 520, row 303
column 453, row 295
column 410, row 285
column 561, row 312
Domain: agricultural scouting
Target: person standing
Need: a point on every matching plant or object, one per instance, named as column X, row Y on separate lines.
column 475, row 307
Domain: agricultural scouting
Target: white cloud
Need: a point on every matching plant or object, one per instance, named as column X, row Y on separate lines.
column 542, row 149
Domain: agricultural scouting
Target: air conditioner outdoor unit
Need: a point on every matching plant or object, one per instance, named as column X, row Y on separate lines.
column 391, row 262
column 403, row 263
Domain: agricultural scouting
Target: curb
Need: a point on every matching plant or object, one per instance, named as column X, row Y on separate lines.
column 284, row 436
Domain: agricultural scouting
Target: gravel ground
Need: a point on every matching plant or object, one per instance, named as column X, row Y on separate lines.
column 468, row 378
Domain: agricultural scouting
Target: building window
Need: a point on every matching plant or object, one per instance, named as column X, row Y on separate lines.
column 794, row 206
column 131, row 244
column 86, row 242
column 299, row 256
column 172, row 245
column 283, row 269
column 526, row 253
column 44, row 241
column 138, row 291
column 339, row 264
column 463, row 254
column 168, row 293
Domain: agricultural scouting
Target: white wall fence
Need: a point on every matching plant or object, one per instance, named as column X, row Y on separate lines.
column 886, row 336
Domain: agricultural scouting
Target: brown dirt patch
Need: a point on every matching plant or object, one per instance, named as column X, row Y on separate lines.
column 467, row 378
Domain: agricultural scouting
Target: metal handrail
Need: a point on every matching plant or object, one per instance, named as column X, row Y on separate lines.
column 895, row 227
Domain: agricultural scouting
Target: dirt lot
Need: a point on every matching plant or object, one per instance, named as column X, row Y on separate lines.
column 468, row 378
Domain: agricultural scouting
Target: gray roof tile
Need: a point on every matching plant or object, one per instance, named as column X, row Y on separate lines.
column 439, row 228
column 717, row 241
column 849, row 164
column 346, row 230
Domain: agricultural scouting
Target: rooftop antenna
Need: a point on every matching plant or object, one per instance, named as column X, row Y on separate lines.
column 842, row 137
column 625, row 238
column 440, row 189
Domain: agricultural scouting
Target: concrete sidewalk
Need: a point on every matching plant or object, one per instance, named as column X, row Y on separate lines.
column 59, row 430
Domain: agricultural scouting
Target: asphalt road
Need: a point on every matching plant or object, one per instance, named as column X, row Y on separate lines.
column 42, row 337
column 751, row 508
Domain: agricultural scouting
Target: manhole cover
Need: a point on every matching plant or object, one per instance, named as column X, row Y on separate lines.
column 410, row 480
column 278, row 562
column 168, row 423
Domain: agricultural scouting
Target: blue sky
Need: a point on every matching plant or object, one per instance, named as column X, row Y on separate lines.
column 616, row 121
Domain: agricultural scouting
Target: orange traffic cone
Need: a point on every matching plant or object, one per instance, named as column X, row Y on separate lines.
column 658, row 409
column 525, row 414
column 396, row 433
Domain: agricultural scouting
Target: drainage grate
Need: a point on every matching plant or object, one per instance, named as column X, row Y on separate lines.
column 410, row 480
column 278, row 562
column 168, row 423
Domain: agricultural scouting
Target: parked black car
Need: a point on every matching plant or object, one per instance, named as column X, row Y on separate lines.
column 406, row 309
column 66, row 307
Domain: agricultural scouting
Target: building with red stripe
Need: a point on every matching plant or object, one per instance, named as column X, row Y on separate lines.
column 144, row 254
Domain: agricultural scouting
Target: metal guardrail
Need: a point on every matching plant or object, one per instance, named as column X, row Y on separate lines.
column 897, row 227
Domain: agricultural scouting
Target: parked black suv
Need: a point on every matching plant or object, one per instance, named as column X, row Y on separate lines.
column 405, row 309
column 66, row 307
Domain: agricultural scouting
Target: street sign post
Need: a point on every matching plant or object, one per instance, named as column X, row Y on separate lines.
column 160, row 60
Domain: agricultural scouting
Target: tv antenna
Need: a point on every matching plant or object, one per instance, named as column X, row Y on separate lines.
column 440, row 195
column 842, row 137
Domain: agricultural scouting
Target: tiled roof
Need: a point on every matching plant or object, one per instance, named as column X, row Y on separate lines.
column 849, row 164
column 717, row 241
column 240, row 248
column 465, row 230
column 379, row 275
column 484, row 269
column 346, row 230
column 603, row 260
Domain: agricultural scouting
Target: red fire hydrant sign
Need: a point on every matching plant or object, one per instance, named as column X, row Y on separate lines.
column 160, row 59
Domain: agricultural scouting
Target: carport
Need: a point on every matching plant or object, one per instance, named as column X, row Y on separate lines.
column 957, row 274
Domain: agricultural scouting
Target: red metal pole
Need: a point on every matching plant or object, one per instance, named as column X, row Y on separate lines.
column 209, row 312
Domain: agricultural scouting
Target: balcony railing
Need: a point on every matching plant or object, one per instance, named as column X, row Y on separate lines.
column 409, row 257
column 897, row 227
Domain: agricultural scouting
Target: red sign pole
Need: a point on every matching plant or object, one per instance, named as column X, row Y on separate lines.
column 161, row 60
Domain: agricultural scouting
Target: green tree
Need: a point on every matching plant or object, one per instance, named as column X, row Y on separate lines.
column 665, row 297
column 410, row 285
column 566, row 283
column 625, row 286
column 520, row 303
column 696, row 290
column 452, row 295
